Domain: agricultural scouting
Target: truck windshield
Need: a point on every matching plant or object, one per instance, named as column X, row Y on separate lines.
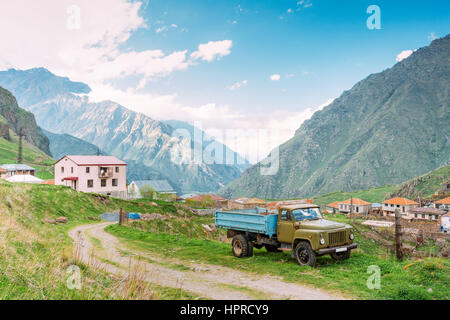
column 306, row 214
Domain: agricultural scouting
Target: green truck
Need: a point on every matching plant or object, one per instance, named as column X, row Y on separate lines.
column 299, row 228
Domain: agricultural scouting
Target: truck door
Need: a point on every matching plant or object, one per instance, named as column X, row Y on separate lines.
column 285, row 226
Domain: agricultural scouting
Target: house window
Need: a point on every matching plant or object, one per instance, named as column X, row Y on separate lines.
column 103, row 182
column 403, row 209
column 117, row 169
column 62, row 169
column 114, row 182
column 71, row 169
column 90, row 183
column 398, row 206
column 357, row 209
column 88, row 169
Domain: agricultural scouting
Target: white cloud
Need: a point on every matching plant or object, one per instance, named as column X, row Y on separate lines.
column 289, row 10
column 432, row 36
column 85, row 43
column 403, row 55
column 212, row 50
column 275, row 77
column 237, row 85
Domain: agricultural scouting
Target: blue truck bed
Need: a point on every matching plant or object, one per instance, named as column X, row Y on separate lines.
column 248, row 220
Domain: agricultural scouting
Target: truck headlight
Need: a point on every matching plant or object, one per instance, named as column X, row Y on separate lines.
column 322, row 241
column 352, row 236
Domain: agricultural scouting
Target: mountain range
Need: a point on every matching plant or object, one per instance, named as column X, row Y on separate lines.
column 388, row 128
column 148, row 145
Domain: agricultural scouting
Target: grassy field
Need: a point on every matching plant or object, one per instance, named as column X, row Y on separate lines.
column 35, row 256
column 427, row 279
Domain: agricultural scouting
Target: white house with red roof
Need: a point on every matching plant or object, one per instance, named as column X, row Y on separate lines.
column 97, row 174
column 354, row 205
column 403, row 205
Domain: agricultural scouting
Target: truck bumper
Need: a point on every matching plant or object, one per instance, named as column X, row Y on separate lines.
column 321, row 252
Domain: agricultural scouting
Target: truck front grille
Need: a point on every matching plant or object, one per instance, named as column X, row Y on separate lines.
column 336, row 237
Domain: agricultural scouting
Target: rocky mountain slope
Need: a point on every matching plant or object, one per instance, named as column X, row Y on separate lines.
column 145, row 143
column 18, row 119
column 390, row 127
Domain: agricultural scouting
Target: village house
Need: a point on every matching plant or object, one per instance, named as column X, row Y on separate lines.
column 18, row 169
column 430, row 214
column 402, row 204
column 333, row 207
column 209, row 199
column 245, row 203
column 445, row 222
column 157, row 186
column 96, row 174
column 354, row 206
column 443, row 204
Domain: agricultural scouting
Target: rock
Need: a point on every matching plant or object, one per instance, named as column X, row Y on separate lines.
column 153, row 216
column 207, row 228
column 61, row 220
column 49, row 221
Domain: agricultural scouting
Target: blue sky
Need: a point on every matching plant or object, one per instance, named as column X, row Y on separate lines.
column 211, row 62
column 318, row 51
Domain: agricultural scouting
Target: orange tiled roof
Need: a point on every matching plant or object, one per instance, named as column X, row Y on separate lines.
column 400, row 201
column 443, row 201
column 51, row 181
column 356, row 201
column 334, row 205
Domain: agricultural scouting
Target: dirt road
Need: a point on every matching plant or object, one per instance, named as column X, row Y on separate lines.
column 207, row 281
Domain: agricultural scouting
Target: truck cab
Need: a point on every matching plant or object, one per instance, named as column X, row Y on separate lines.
column 302, row 229
column 299, row 228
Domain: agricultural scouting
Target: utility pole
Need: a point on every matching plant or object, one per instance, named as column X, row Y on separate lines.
column 21, row 135
column 351, row 208
column 98, row 151
column 121, row 216
column 398, row 235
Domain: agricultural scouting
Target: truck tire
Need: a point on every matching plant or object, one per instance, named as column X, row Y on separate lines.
column 304, row 254
column 240, row 246
column 271, row 248
column 338, row 256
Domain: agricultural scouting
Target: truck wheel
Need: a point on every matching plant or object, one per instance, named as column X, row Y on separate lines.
column 338, row 256
column 271, row 248
column 250, row 249
column 304, row 254
column 240, row 246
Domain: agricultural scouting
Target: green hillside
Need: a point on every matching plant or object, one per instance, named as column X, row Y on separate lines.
column 34, row 255
column 31, row 155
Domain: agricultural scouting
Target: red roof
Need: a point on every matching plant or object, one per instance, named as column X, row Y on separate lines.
column 355, row 201
column 334, row 205
column 443, row 201
column 95, row 160
column 400, row 201
column 210, row 196
column 71, row 178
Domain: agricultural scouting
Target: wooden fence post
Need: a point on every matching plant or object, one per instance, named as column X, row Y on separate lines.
column 121, row 216
column 398, row 235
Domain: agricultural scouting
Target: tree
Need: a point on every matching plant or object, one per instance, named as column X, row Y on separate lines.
column 147, row 192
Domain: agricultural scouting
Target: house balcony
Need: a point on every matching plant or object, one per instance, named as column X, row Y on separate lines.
column 105, row 172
